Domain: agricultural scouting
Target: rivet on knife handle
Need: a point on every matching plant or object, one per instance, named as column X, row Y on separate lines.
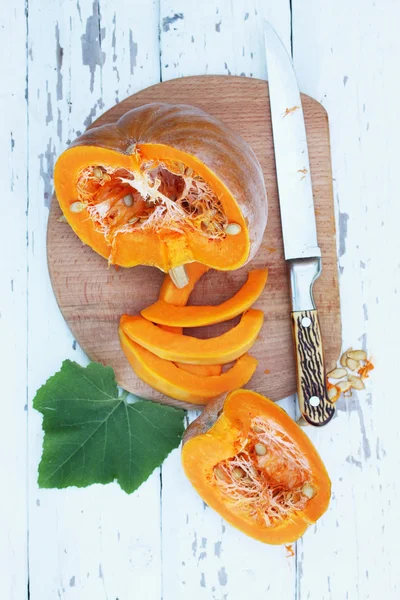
column 314, row 404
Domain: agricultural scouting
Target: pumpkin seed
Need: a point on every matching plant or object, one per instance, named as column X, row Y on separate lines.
column 337, row 374
column 308, row 491
column 233, row 229
column 357, row 354
column 343, row 358
column 344, row 386
column 179, row 276
column 238, row 473
column 188, row 172
column 332, row 393
column 352, row 364
column 219, row 474
column 257, row 429
column 356, row 382
column 260, row 449
column 133, row 220
column 98, row 172
column 77, row 207
column 128, row 200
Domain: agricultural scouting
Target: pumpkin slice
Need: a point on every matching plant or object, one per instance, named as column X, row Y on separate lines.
column 170, row 293
column 179, row 296
column 164, row 186
column 251, row 463
column 186, row 349
column 202, row 370
column 196, row 316
column 168, row 379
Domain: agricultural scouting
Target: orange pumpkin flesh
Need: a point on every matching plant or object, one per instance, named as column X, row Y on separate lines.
column 160, row 187
column 168, row 379
column 163, row 313
column 186, row 349
column 179, row 297
column 202, row 370
column 272, row 496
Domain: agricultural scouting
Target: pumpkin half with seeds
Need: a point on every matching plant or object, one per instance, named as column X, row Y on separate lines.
column 164, row 186
column 255, row 466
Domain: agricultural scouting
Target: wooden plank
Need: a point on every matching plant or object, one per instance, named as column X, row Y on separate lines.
column 220, row 38
column 13, row 302
column 204, row 557
column 96, row 542
column 350, row 65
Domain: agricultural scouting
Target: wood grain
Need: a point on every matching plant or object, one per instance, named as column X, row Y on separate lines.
column 92, row 297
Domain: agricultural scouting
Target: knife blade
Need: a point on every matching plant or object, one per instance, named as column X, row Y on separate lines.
column 299, row 228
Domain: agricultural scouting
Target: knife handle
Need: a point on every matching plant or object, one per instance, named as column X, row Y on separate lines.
column 314, row 404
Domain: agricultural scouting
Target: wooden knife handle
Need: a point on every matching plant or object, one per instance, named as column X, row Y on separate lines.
column 314, row 404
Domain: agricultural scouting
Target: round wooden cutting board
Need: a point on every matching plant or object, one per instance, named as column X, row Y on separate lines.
column 92, row 297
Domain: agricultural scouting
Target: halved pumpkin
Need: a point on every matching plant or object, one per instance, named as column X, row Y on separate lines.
column 186, row 349
column 163, row 313
column 164, row 186
column 168, row 379
column 250, row 462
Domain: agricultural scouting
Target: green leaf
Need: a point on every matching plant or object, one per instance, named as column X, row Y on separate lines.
column 94, row 436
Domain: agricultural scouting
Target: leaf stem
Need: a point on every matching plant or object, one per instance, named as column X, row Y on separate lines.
column 124, row 395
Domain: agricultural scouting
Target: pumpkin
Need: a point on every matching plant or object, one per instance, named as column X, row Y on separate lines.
column 255, row 466
column 186, row 349
column 196, row 316
column 172, row 381
column 164, row 186
column 204, row 370
column 170, row 293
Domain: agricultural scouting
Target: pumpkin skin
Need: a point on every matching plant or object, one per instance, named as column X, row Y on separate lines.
column 219, row 436
column 177, row 137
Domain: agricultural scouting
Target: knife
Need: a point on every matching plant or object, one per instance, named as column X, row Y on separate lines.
column 299, row 230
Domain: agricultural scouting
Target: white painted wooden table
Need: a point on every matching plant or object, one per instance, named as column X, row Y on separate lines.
column 62, row 63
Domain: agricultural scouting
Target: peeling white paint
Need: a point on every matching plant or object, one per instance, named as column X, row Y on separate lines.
column 163, row 541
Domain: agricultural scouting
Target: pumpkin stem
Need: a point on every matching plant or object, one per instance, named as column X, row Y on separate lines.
column 179, row 276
